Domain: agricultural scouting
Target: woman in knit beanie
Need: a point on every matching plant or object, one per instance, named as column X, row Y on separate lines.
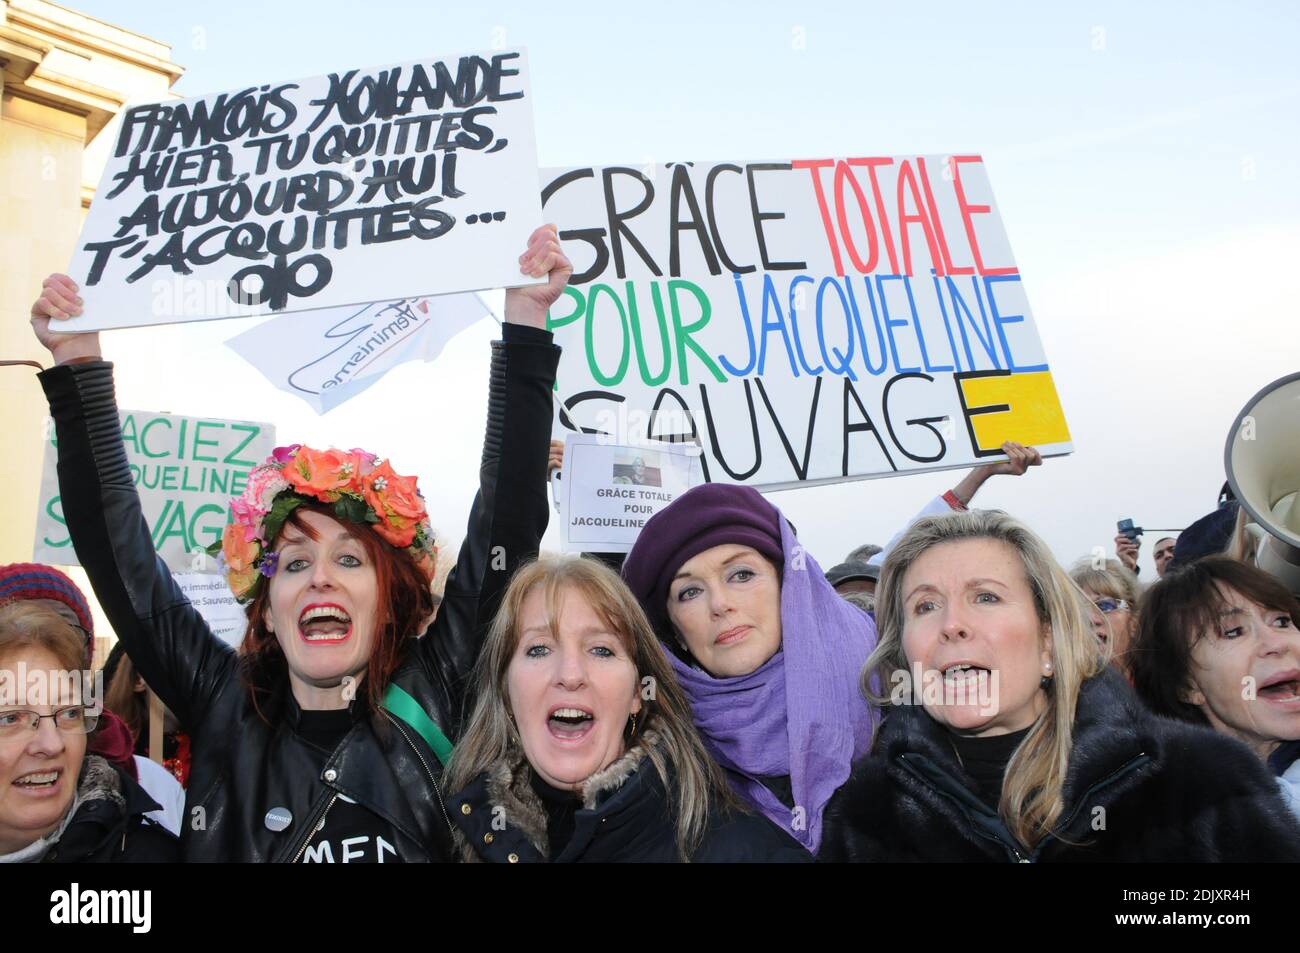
column 768, row 653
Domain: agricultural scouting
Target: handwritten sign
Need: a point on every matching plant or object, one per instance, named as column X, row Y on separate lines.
column 608, row 492
column 327, row 357
column 809, row 321
column 359, row 186
column 185, row 469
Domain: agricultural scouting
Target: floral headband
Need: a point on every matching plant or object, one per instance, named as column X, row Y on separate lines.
column 362, row 489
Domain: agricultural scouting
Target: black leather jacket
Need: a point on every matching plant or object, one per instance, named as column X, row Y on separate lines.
column 241, row 766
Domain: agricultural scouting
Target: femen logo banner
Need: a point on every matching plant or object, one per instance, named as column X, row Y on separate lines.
column 358, row 186
column 186, row 469
column 809, row 321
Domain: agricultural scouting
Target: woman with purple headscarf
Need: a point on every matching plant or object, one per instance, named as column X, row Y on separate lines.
column 767, row 652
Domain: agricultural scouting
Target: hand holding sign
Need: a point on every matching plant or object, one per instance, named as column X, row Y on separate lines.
column 59, row 300
column 528, row 305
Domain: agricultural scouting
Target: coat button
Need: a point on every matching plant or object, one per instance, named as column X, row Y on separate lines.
column 331, row 774
column 465, row 808
column 488, row 838
column 513, row 858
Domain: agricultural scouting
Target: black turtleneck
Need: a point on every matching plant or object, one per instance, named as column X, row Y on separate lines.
column 561, row 806
column 985, row 760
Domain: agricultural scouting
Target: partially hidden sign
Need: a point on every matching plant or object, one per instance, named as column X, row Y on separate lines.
column 807, row 321
column 186, row 469
column 608, row 492
column 359, row 186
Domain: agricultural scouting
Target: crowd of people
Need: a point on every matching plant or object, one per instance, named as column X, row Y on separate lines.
column 954, row 694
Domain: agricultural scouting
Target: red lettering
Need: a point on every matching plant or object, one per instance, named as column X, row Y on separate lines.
column 907, row 180
column 813, row 165
column 938, row 223
column 967, row 210
column 844, row 173
column 871, row 165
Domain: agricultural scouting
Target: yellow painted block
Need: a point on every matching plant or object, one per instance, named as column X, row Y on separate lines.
column 1034, row 415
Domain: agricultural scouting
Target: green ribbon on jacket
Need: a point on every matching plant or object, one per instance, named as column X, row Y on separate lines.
column 401, row 704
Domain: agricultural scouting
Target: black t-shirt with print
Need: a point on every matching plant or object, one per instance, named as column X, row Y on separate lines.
column 348, row 833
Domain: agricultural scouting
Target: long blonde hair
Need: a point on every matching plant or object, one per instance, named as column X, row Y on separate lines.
column 1031, row 799
column 695, row 783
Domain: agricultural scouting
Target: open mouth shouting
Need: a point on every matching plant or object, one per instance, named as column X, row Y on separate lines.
column 1282, row 689
column 39, row 783
column 570, row 724
column 324, row 623
column 963, row 673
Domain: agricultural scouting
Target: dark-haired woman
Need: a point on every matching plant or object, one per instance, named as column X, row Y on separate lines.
column 323, row 738
column 1218, row 645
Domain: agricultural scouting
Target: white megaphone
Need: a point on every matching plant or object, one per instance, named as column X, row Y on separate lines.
column 1262, row 459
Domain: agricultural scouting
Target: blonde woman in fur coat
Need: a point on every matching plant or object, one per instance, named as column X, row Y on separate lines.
column 581, row 748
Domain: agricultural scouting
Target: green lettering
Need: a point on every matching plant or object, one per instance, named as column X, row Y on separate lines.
column 617, row 377
column 234, row 461
column 171, row 523
column 55, row 512
column 683, row 332
column 129, row 434
column 200, row 442
column 144, row 435
column 212, row 530
column 169, row 477
column 637, row 338
column 238, row 480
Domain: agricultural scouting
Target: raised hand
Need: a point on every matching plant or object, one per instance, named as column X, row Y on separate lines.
column 528, row 305
column 58, row 302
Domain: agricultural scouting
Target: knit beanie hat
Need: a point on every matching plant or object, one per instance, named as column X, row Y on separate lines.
column 714, row 514
column 22, row 581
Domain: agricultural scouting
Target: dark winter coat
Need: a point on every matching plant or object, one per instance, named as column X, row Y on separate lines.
column 109, row 825
column 1138, row 788
column 625, row 817
column 241, row 766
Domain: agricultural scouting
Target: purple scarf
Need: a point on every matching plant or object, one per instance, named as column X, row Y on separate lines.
column 798, row 714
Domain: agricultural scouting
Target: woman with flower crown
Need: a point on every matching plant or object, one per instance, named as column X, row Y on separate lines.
column 323, row 738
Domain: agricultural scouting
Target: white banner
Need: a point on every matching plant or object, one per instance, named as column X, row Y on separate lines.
column 359, row 186
column 608, row 492
column 185, row 469
column 327, row 357
column 806, row 321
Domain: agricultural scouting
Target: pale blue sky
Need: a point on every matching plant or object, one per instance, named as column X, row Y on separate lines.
column 1145, row 159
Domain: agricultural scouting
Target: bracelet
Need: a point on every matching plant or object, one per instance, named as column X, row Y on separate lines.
column 953, row 503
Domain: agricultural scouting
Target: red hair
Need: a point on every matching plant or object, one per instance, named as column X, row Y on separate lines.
column 403, row 602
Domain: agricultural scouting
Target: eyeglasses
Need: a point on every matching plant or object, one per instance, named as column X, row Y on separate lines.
column 1111, row 605
column 73, row 720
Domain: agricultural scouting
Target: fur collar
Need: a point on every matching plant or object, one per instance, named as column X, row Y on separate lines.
column 1110, row 729
column 509, row 786
column 99, row 781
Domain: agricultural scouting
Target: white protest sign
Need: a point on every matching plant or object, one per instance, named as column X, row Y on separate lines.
column 808, row 322
column 211, row 596
column 327, row 357
column 185, row 469
column 608, row 492
column 359, row 186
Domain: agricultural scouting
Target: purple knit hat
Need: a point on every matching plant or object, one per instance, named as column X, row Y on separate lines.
column 711, row 515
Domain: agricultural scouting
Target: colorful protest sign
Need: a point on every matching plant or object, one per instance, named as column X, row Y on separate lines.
column 360, row 186
column 810, row 321
column 327, row 357
column 185, row 469
column 608, row 492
